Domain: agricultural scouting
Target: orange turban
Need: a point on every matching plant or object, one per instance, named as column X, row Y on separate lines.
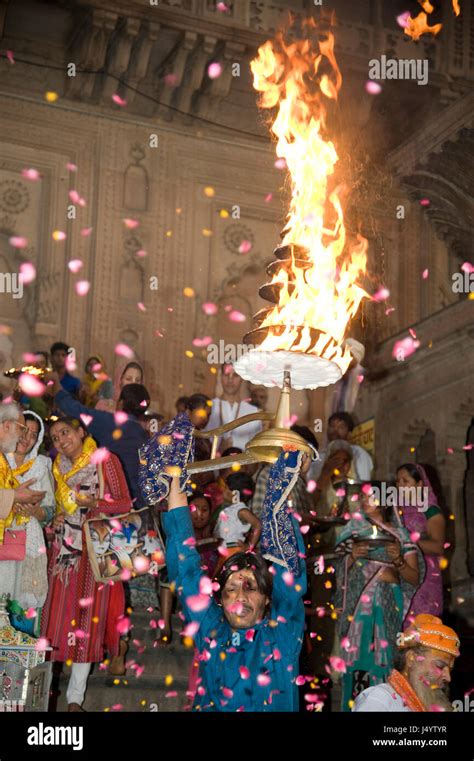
column 431, row 632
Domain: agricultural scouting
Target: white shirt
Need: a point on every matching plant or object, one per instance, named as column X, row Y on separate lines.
column 361, row 468
column 382, row 697
column 224, row 412
column 229, row 527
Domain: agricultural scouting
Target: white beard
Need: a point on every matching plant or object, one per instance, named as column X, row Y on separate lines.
column 9, row 443
column 430, row 696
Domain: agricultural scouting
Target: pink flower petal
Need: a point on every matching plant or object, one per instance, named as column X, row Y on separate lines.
column 124, row 351
column 337, row 664
column 425, row 274
column 222, row 7
column 86, row 602
column 10, row 56
column 425, row 202
column 42, row 645
column 131, row 224
column 71, row 167
column 82, row 287
column 101, row 454
column 311, row 486
column 244, row 672
column 227, row 692
column 58, row 235
column 27, row 273
column 198, row 603
column 268, row 197
column 414, row 536
column 18, row 241
column 236, row 316
column 214, row 70
column 202, row 342
column 141, row 253
column 123, row 625
column 404, row 348
column 141, row 563
column 288, row 578
column 75, row 265
column 30, row 174
column 141, row 306
column 30, row 613
column 467, row 267
column 209, row 308
column 74, row 196
column 171, row 80
column 86, row 231
column 30, row 385
column 245, row 247
column 373, row 88
column 205, row 585
column 86, row 419
column 263, row 680
column 249, row 635
column 118, row 100
column 381, row 295
column 280, row 164
column 120, row 417
column 402, row 19
column 191, row 629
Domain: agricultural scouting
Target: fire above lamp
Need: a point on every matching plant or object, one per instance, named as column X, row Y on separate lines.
column 300, row 340
column 313, row 287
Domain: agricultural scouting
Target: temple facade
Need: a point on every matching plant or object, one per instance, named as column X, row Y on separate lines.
column 180, row 191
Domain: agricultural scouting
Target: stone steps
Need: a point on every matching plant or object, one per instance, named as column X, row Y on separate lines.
column 147, row 692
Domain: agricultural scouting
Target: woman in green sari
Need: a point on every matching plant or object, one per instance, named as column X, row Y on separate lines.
column 377, row 574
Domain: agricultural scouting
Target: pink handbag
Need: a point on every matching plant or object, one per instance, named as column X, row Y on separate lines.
column 14, row 545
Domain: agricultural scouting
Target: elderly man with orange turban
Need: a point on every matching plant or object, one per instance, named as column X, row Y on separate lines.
column 426, row 654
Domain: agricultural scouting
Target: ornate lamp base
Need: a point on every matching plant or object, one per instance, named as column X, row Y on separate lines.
column 267, row 368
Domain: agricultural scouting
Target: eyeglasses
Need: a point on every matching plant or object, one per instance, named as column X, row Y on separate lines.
column 25, row 427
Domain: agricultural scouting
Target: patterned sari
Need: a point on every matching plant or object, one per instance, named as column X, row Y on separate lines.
column 372, row 611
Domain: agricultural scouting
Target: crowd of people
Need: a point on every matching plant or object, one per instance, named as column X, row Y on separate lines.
column 296, row 583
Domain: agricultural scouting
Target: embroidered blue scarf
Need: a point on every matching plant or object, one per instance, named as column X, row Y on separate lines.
column 278, row 540
column 172, row 446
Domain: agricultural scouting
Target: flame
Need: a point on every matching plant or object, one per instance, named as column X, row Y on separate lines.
column 326, row 296
column 417, row 26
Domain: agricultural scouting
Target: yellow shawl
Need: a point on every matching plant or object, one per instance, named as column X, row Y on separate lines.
column 8, row 481
column 65, row 496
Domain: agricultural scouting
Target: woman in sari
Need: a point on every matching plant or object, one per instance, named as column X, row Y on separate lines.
column 376, row 581
column 85, row 489
column 26, row 580
column 426, row 524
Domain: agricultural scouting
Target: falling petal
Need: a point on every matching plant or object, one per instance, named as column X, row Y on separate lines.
column 263, row 680
column 222, row 7
column 27, row 273
column 41, row 645
column 31, row 385
column 59, row 235
column 209, row 308
column 124, row 351
column 82, row 287
column 86, row 231
column 268, row 197
column 337, row 664
column 99, row 455
column 245, row 247
column 120, row 417
column 404, row 348
column 141, row 253
column 381, row 295
column 467, row 267
column 202, row 342
column 198, row 603
column 30, row 174
column 402, row 19
column 130, row 224
column 10, row 56
column 71, row 167
column 86, row 419
column 244, row 672
column 75, row 265
column 118, row 100
column 171, row 80
column 373, row 88
column 236, row 316
column 214, row 70
column 425, row 202
column 141, row 306
column 425, row 274
column 141, row 563
column 18, row 241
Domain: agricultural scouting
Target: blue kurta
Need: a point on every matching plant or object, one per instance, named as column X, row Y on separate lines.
column 270, row 649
